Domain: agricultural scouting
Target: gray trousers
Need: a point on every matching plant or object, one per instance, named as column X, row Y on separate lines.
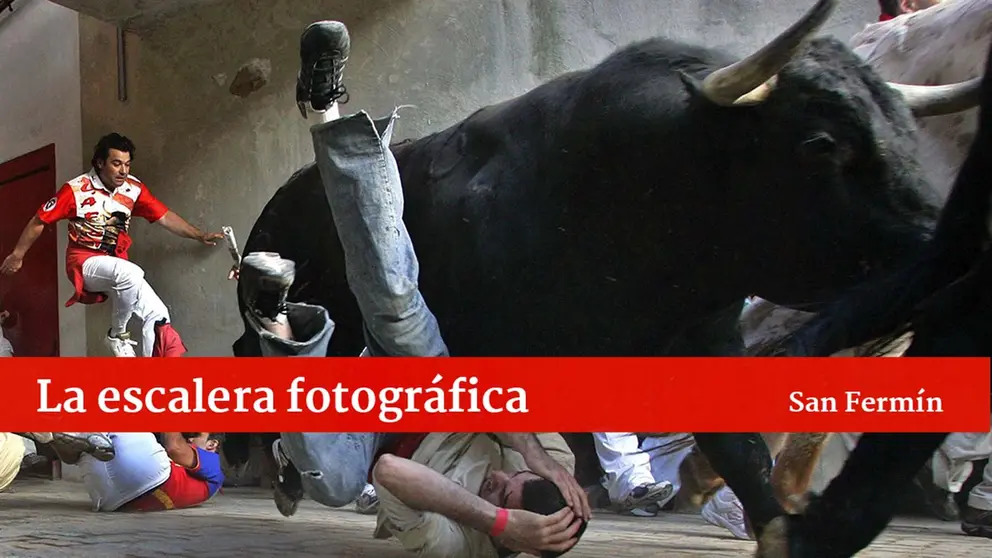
column 363, row 188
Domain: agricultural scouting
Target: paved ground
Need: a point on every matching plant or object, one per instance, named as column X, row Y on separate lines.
column 44, row 518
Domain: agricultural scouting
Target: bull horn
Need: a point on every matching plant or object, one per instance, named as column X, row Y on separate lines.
column 935, row 100
column 734, row 84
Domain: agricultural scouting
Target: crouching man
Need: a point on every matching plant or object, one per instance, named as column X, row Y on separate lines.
column 11, row 454
column 145, row 475
column 469, row 495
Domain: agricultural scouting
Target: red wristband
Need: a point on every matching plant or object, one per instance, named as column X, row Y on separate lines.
column 502, row 517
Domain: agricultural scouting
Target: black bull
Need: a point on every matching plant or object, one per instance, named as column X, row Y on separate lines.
column 628, row 210
column 944, row 298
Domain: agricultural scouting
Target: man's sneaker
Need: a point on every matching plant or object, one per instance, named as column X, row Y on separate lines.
column 266, row 279
column 650, row 510
column 70, row 445
column 324, row 49
column 121, row 344
column 287, row 491
column 725, row 510
column 976, row 522
column 367, row 502
column 644, row 495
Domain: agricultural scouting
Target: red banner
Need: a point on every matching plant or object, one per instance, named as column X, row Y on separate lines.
column 496, row 394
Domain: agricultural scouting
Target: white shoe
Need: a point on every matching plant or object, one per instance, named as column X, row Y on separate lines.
column 725, row 510
column 644, row 495
column 367, row 502
column 121, row 344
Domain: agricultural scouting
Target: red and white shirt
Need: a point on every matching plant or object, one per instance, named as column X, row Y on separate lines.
column 99, row 220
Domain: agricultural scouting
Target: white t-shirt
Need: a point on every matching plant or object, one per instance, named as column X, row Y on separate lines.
column 140, row 464
column 6, row 349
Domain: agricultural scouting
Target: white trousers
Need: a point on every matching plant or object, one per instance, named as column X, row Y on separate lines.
column 140, row 464
column 129, row 293
column 11, row 454
column 628, row 465
column 952, row 465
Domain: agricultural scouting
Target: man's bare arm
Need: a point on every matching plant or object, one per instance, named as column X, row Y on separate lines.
column 178, row 226
column 424, row 489
column 179, row 450
column 12, row 263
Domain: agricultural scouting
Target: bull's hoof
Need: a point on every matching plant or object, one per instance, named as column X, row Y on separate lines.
column 796, row 503
column 774, row 541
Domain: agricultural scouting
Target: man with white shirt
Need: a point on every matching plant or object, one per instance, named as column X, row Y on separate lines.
column 99, row 205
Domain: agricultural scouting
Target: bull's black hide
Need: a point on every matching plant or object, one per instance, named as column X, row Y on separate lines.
column 628, row 210
column 945, row 299
column 607, row 210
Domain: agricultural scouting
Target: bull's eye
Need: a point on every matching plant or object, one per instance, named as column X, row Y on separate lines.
column 818, row 145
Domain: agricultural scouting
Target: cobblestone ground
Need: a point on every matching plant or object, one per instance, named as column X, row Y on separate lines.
column 44, row 518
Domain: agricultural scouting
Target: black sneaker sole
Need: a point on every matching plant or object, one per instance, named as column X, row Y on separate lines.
column 977, row 530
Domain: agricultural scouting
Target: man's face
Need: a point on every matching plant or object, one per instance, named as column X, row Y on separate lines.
column 3, row 316
column 505, row 491
column 115, row 169
column 201, row 441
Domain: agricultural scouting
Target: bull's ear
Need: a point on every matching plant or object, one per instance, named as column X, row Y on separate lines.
column 692, row 85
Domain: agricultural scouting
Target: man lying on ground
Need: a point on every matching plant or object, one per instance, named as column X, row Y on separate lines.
column 181, row 472
column 441, row 503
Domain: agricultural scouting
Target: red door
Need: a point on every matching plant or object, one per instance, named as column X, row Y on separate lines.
column 31, row 294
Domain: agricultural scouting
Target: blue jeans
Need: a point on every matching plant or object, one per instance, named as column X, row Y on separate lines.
column 363, row 188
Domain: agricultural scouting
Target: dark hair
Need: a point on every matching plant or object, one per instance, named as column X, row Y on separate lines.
column 890, row 7
column 216, row 436
column 543, row 497
column 110, row 141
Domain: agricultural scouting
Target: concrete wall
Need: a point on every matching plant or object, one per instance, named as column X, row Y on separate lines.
column 216, row 158
column 39, row 105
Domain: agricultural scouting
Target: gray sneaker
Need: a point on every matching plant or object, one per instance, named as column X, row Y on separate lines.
column 71, row 445
column 324, row 49
column 367, row 502
column 286, row 490
column 265, row 279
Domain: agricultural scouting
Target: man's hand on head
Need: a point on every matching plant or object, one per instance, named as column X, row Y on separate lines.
column 574, row 495
column 541, row 463
column 532, row 533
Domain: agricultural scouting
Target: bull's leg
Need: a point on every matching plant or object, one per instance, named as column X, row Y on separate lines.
column 794, row 468
column 859, row 502
column 745, row 464
column 699, row 483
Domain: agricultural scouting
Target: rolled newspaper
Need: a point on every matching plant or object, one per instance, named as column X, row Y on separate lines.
column 232, row 245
